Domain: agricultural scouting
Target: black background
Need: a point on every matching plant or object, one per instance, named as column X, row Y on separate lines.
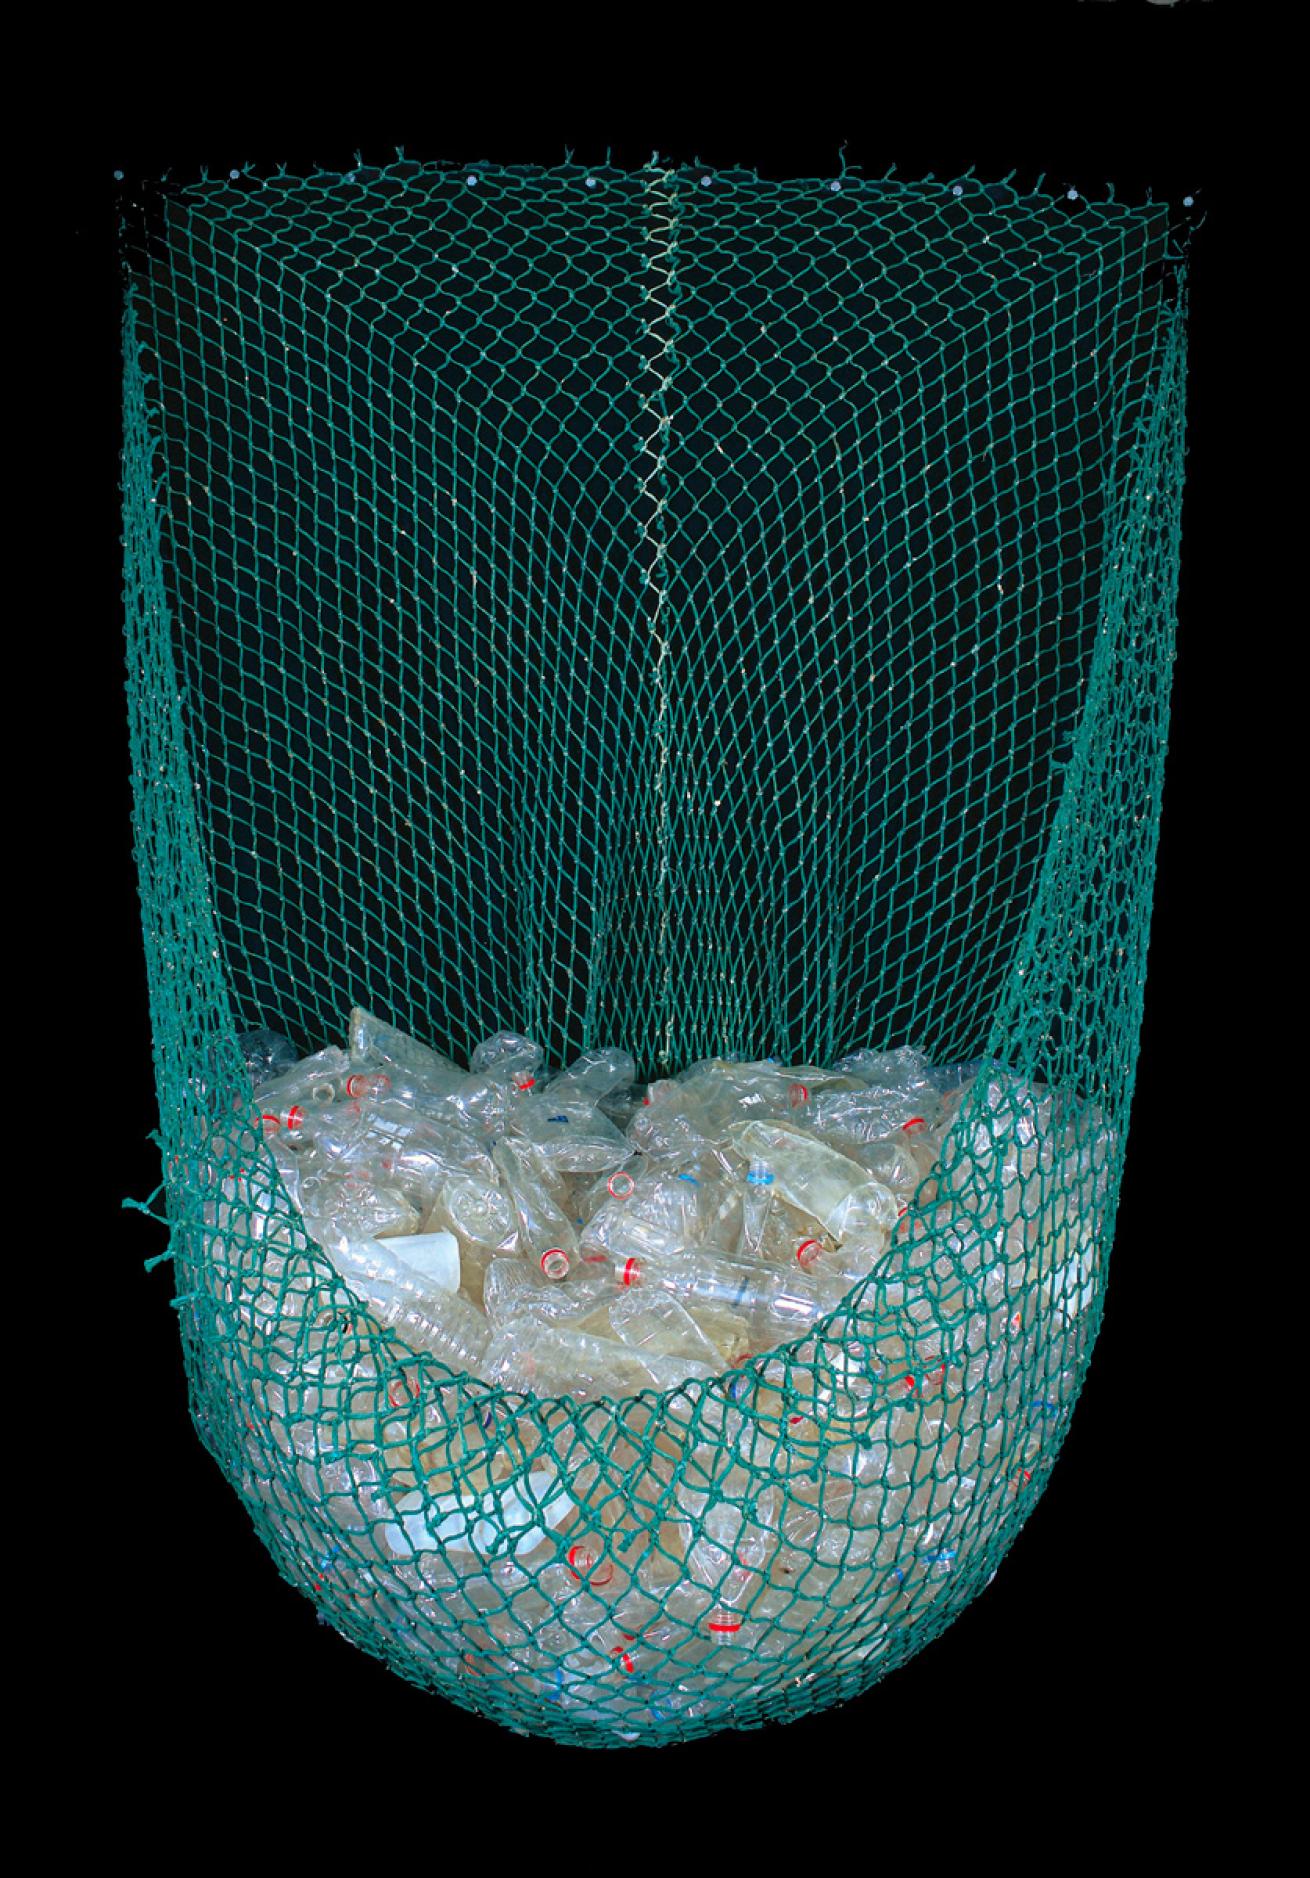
column 1091, row 1671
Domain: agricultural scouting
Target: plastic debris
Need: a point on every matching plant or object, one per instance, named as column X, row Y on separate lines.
column 558, row 1237
column 572, row 1233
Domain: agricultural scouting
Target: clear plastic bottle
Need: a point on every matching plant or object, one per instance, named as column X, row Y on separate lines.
column 372, row 1041
column 855, row 1118
column 828, row 1187
column 545, row 1235
column 774, row 1302
column 672, row 1124
column 843, row 1264
column 505, row 1070
column 906, row 1068
column 661, row 1214
column 770, row 1229
column 477, row 1210
column 514, row 1291
column 423, row 1314
column 401, row 1144
column 507, row 1051
column 652, row 1320
column 437, row 1093
column 900, row 1163
column 722, row 1214
column 482, row 1220
column 620, row 1185
column 353, row 1205
column 424, row 1158
column 756, row 1207
column 596, row 1075
column 341, row 1132
column 730, row 1092
column 570, row 1132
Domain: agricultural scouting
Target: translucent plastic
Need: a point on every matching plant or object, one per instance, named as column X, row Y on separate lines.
column 571, row 1237
column 829, row 1188
column 699, row 1222
column 545, row 1234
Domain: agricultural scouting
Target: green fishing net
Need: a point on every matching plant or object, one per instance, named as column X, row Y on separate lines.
column 689, row 612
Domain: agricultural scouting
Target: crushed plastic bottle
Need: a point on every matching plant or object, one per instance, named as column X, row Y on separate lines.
column 515, row 1293
column 545, row 1234
column 830, row 1188
column 772, row 1305
column 569, row 1132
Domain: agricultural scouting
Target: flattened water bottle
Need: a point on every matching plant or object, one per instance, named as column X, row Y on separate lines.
column 515, row 1291
column 508, row 1051
column 546, row 1236
column 505, row 1069
column 854, row 1118
column 371, row 1040
column 771, row 1300
column 447, row 1326
column 830, row 1188
column 570, row 1132
column 661, row 1213
column 597, row 1075
column 906, row 1068
column 654, row 1321
column 619, row 1185
column 672, row 1124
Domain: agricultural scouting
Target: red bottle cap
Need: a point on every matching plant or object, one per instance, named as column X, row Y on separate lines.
column 585, row 1562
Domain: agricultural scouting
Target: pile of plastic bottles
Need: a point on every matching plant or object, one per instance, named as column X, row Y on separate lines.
column 577, row 1234
column 645, row 1563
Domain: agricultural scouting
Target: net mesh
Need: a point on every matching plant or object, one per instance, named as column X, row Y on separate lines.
column 697, row 613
